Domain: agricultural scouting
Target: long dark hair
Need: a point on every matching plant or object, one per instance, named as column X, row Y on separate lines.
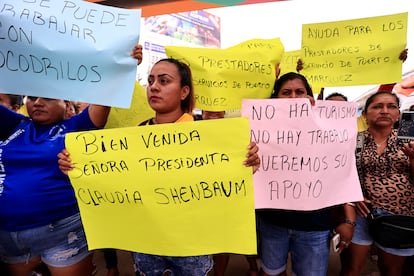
column 288, row 77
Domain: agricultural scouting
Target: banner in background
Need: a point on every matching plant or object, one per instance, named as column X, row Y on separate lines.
column 192, row 29
column 196, row 27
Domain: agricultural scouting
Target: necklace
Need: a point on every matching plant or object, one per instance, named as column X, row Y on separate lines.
column 379, row 144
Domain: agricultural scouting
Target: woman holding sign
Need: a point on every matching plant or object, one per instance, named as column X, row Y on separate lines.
column 386, row 169
column 39, row 216
column 306, row 235
column 170, row 94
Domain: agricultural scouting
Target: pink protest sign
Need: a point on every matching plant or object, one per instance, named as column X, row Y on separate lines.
column 307, row 153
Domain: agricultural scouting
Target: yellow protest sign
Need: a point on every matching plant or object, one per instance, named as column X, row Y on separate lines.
column 289, row 61
column 170, row 189
column 354, row 52
column 223, row 77
column 138, row 111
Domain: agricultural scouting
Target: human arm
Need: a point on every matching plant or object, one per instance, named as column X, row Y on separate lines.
column 98, row 114
column 277, row 70
column 311, row 99
column 299, row 65
column 346, row 227
column 403, row 55
column 9, row 120
column 362, row 208
column 253, row 159
column 64, row 161
column 137, row 53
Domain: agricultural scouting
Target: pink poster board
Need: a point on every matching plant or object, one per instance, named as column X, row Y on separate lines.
column 307, row 153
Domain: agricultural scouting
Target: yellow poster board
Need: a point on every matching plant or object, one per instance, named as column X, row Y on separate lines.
column 223, row 77
column 289, row 61
column 354, row 52
column 175, row 190
column 138, row 111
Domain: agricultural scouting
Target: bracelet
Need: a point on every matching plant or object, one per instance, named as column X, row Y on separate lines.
column 348, row 221
column 350, row 204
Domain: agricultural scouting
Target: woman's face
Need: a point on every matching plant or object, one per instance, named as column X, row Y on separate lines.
column 382, row 112
column 45, row 111
column 164, row 91
column 292, row 89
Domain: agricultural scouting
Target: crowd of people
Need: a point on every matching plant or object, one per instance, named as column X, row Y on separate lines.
column 40, row 221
